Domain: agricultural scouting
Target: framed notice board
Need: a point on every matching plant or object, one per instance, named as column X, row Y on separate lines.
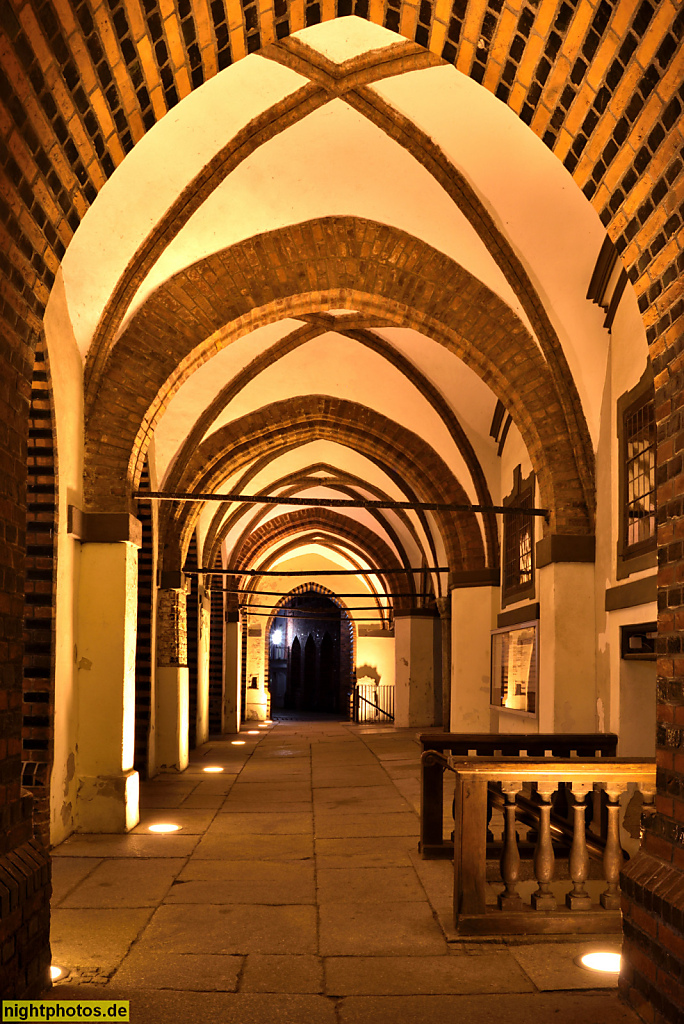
column 515, row 668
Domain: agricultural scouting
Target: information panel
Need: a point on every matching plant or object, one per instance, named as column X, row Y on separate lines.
column 515, row 668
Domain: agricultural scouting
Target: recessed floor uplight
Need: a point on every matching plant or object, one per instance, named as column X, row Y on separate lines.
column 264, row 725
column 252, row 732
column 212, row 768
column 238, row 743
column 163, row 826
column 606, row 963
column 55, row 972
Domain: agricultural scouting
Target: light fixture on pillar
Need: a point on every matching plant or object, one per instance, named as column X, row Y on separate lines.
column 212, row 769
column 55, row 972
column 163, row 827
column 602, row 960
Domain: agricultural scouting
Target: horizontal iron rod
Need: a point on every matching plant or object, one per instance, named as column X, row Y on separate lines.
column 311, row 572
column 288, row 593
column 349, row 608
column 268, row 499
column 308, row 615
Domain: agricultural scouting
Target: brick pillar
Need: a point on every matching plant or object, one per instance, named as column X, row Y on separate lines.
column 415, row 649
column 24, row 863
column 232, row 700
column 172, row 677
column 108, row 785
column 652, row 976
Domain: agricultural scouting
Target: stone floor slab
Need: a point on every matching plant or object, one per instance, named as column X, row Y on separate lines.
column 349, row 929
column 568, row 1008
column 352, row 800
column 186, row 972
column 125, row 882
column 159, row 1007
column 232, row 929
column 330, row 825
column 365, row 853
column 372, row 885
column 94, row 938
column 323, row 778
column 67, row 872
column 282, row 974
column 424, row 975
column 292, row 823
column 551, row 965
column 126, row 846
column 251, row 882
column 251, row 847
column 192, row 820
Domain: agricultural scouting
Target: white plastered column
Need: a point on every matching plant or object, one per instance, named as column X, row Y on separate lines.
column 172, row 679
column 567, row 653
column 108, row 787
column 417, row 643
column 471, row 624
column 232, row 650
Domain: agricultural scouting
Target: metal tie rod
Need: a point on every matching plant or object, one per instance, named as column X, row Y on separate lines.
column 315, row 618
column 312, row 572
column 420, row 506
column 288, row 593
column 349, row 608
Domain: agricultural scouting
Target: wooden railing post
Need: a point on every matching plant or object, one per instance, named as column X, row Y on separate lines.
column 431, row 801
column 470, row 818
column 543, row 898
column 612, row 856
column 510, row 856
column 578, row 862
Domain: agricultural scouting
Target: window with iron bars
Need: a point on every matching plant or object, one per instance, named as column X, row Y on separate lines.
column 518, row 542
column 639, row 487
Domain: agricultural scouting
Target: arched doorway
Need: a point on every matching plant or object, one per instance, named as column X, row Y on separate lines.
column 310, row 667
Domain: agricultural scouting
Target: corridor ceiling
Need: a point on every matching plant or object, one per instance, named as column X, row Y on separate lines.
column 316, row 276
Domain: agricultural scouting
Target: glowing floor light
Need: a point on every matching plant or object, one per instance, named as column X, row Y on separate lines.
column 55, row 972
column 603, row 961
column 252, row 732
column 163, row 826
column 212, row 768
column 238, row 743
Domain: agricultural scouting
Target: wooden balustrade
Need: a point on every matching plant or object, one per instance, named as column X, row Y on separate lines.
column 473, row 915
column 554, row 745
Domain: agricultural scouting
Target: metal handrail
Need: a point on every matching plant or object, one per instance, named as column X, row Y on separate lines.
column 356, row 697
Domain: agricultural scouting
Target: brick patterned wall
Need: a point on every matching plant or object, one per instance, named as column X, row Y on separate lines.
column 39, row 613
column 24, row 871
column 143, row 642
column 172, row 640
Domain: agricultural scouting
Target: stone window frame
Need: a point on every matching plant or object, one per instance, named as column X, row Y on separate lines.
column 640, row 556
column 522, row 493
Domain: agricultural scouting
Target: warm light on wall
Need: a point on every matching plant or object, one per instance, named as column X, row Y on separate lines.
column 55, row 972
column 607, row 963
column 163, row 826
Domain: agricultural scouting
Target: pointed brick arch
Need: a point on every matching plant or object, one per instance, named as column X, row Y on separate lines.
column 293, row 527
column 321, row 417
column 335, row 261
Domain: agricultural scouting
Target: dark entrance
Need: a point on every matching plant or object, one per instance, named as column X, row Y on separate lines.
column 310, row 655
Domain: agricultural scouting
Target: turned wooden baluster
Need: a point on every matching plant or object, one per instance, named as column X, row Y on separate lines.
column 510, row 857
column 578, row 862
column 543, row 898
column 612, row 855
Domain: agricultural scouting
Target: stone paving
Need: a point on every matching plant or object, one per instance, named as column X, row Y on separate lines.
column 293, row 893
